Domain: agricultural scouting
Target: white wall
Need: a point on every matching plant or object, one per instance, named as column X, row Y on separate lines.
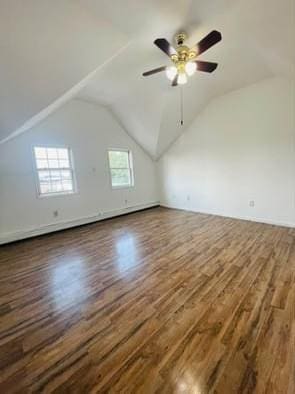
column 239, row 149
column 89, row 130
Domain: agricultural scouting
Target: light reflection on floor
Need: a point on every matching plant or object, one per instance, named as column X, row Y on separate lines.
column 68, row 287
column 68, row 283
column 126, row 253
column 188, row 384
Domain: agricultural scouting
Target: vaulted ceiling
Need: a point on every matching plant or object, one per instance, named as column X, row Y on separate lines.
column 96, row 50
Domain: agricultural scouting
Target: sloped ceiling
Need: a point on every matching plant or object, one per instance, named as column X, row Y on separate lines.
column 96, row 50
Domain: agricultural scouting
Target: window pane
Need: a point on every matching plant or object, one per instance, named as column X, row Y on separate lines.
column 53, row 163
column 67, row 185
column 120, row 177
column 56, row 187
column 55, row 175
column 66, row 174
column 45, row 188
column 63, row 154
column 52, row 153
column 119, row 159
column 64, row 164
column 44, row 176
column 40, row 153
column 41, row 163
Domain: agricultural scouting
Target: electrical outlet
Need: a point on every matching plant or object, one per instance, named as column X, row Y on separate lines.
column 188, row 197
column 252, row 203
column 126, row 202
column 55, row 213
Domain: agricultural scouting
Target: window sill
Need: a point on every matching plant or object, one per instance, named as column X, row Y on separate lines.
column 59, row 194
column 122, row 187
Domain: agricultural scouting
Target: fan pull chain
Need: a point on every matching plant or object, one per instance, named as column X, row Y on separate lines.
column 181, row 106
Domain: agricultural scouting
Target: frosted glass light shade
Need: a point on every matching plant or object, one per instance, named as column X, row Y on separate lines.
column 182, row 79
column 190, row 68
column 171, row 72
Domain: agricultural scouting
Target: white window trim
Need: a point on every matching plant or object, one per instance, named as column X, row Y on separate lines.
column 36, row 172
column 130, row 161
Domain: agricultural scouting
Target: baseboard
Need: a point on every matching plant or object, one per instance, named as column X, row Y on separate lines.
column 52, row 227
column 248, row 218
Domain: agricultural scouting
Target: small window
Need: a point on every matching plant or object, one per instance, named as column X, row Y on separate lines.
column 120, row 162
column 55, row 170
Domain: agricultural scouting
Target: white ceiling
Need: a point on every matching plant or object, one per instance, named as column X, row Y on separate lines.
column 97, row 50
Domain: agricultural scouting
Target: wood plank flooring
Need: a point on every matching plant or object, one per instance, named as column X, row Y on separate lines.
column 161, row 301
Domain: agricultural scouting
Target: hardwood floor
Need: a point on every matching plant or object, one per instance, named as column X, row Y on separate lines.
column 159, row 301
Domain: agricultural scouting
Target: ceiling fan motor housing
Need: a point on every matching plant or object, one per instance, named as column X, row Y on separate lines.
column 184, row 54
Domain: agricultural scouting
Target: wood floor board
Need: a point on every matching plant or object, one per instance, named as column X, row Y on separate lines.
column 160, row 301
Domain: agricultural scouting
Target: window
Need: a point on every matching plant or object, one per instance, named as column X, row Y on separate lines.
column 55, row 170
column 120, row 162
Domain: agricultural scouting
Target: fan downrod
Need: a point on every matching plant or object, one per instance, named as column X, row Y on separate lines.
column 180, row 38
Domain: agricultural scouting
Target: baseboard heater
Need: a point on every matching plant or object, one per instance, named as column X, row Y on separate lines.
column 60, row 226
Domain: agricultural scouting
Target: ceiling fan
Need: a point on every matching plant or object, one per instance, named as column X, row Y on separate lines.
column 184, row 58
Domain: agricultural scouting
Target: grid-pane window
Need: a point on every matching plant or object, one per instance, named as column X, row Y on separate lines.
column 55, row 170
column 120, row 162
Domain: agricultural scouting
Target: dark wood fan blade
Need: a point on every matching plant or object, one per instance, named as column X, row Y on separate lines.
column 154, row 71
column 164, row 45
column 207, row 42
column 207, row 67
column 174, row 82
